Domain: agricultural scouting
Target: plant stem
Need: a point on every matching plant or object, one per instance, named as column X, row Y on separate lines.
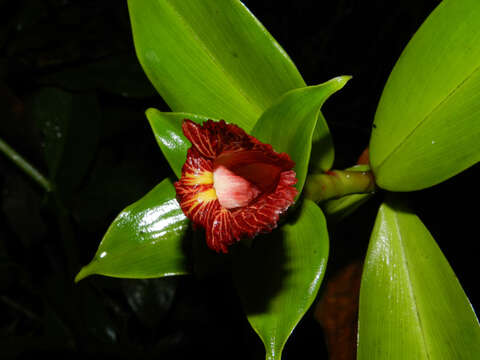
column 18, row 307
column 23, row 164
column 337, row 183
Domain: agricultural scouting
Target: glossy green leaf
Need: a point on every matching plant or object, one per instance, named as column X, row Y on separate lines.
column 411, row 303
column 290, row 125
column 427, row 123
column 279, row 276
column 337, row 209
column 211, row 57
column 167, row 127
column 146, row 240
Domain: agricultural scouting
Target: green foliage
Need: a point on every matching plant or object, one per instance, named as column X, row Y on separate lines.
column 275, row 314
column 411, row 303
column 211, row 57
column 426, row 128
column 279, row 276
column 146, row 240
column 296, row 114
column 217, row 67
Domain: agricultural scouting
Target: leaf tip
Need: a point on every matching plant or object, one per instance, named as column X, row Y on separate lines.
column 83, row 273
column 335, row 84
column 151, row 112
column 342, row 80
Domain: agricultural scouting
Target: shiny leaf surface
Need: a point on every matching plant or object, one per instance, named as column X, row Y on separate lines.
column 146, row 240
column 427, row 123
column 211, row 57
column 411, row 303
column 167, row 127
column 290, row 125
column 279, row 276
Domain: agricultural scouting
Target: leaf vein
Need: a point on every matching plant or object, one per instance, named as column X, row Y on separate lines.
column 428, row 116
column 214, row 59
column 410, row 288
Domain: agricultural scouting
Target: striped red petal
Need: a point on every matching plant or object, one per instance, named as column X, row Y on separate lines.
column 232, row 184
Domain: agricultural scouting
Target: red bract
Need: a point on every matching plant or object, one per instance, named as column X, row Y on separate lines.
column 232, row 184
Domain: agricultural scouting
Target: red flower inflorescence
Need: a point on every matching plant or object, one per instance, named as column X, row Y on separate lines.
column 232, row 184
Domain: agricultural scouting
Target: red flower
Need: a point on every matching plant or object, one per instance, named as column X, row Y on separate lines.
column 232, row 184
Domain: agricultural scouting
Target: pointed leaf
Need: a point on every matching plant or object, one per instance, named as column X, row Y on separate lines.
column 289, row 125
column 167, row 127
column 146, row 240
column 427, row 123
column 411, row 304
column 211, row 57
column 279, row 276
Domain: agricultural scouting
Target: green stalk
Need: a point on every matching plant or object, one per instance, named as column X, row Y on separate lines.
column 23, row 164
column 337, row 183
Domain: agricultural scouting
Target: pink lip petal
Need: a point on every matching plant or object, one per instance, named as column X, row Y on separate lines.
column 233, row 191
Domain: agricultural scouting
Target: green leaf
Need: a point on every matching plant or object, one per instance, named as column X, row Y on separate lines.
column 427, row 123
column 290, row 125
column 279, row 276
column 296, row 111
column 323, row 152
column 211, row 57
column 411, row 303
column 167, row 128
column 146, row 240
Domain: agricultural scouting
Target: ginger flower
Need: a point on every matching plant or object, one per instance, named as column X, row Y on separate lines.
column 232, row 184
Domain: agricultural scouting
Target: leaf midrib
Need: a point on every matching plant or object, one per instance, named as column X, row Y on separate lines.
column 410, row 287
column 256, row 107
column 428, row 116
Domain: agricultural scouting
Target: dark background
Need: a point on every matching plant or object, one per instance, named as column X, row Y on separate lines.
column 72, row 101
